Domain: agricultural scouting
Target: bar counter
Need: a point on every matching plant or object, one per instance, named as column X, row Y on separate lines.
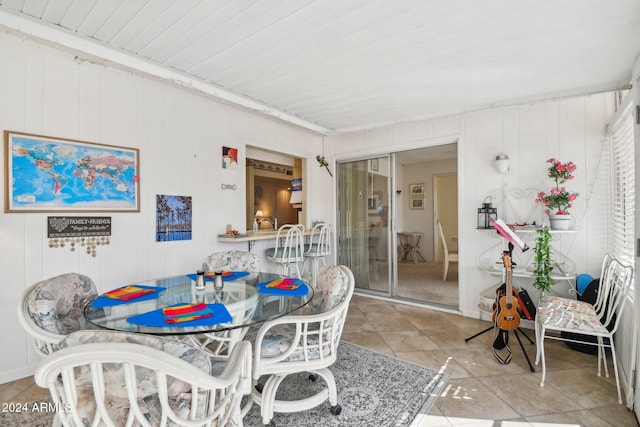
column 252, row 236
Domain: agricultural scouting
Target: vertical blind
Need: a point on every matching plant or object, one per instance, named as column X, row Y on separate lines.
column 353, row 245
column 623, row 180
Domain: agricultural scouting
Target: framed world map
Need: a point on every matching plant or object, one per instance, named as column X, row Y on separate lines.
column 44, row 174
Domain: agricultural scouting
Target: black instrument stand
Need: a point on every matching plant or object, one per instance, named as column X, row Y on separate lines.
column 515, row 332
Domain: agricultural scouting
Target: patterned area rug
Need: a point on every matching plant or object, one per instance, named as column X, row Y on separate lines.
column 27, row 414
column 373, row 390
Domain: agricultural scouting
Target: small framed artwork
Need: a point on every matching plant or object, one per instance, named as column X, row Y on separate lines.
column 374, row 165
column 416, row 190
column 173, row 217
column 416, row 203
column 374, row 200
column 229, row 158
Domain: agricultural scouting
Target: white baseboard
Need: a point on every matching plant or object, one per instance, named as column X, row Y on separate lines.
column 25, row 371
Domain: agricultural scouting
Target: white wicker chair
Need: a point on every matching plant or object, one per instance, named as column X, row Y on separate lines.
column 615, row 288
column 218, row 345
column 146, row 381
column 53, row 308
column 305, row 342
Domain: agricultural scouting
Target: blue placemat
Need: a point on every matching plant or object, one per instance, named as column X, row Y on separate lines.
column 301, row 291
column 155, row 318
column 232, row 276
column 104, row 301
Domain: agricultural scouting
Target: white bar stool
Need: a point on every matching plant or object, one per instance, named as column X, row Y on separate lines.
column 289, row 250
column 317, row 248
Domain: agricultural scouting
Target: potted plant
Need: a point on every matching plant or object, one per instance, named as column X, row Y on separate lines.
column 542, row 261
column 559, row 199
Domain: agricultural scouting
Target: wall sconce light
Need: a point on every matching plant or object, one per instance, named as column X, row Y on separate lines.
column 502, row 163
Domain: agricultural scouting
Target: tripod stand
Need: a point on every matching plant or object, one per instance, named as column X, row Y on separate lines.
column 506, row 332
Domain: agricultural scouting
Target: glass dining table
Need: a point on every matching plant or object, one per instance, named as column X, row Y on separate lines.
column 246, row 299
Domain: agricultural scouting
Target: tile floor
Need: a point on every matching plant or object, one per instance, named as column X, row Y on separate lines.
column 480, row 391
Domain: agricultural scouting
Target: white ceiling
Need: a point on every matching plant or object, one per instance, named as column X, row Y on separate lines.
column 338, row 65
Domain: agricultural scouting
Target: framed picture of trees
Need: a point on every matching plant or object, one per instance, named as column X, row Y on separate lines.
column 173, row 218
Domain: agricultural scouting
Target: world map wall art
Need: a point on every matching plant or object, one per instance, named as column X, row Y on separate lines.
column 44, row 174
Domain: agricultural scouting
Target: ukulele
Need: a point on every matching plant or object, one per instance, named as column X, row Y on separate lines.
column 507, row 316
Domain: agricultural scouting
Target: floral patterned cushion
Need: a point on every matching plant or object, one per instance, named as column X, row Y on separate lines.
column 278, row 339
column 330, row 290
column 171, row 345
column 233, row 261
column 552, row 302
column 114, row 378
column 56, row 304
column 570, row 320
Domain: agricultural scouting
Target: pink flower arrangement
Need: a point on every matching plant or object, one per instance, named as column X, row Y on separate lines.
column 558, row 197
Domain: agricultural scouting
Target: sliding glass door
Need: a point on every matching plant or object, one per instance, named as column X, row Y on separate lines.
column 363, row 221
column 400, row 194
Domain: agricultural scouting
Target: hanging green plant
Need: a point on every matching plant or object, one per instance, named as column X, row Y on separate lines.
column 542, row 261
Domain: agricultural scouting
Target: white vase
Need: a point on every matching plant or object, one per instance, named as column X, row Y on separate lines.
column 561, row 222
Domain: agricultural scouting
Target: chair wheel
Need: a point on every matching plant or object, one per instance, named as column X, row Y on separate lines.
column 259, row 387
column 335, row 410
column 313, row 377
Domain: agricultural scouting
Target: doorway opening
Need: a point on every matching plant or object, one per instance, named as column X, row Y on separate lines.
column 428, row 176
column 270, row 177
